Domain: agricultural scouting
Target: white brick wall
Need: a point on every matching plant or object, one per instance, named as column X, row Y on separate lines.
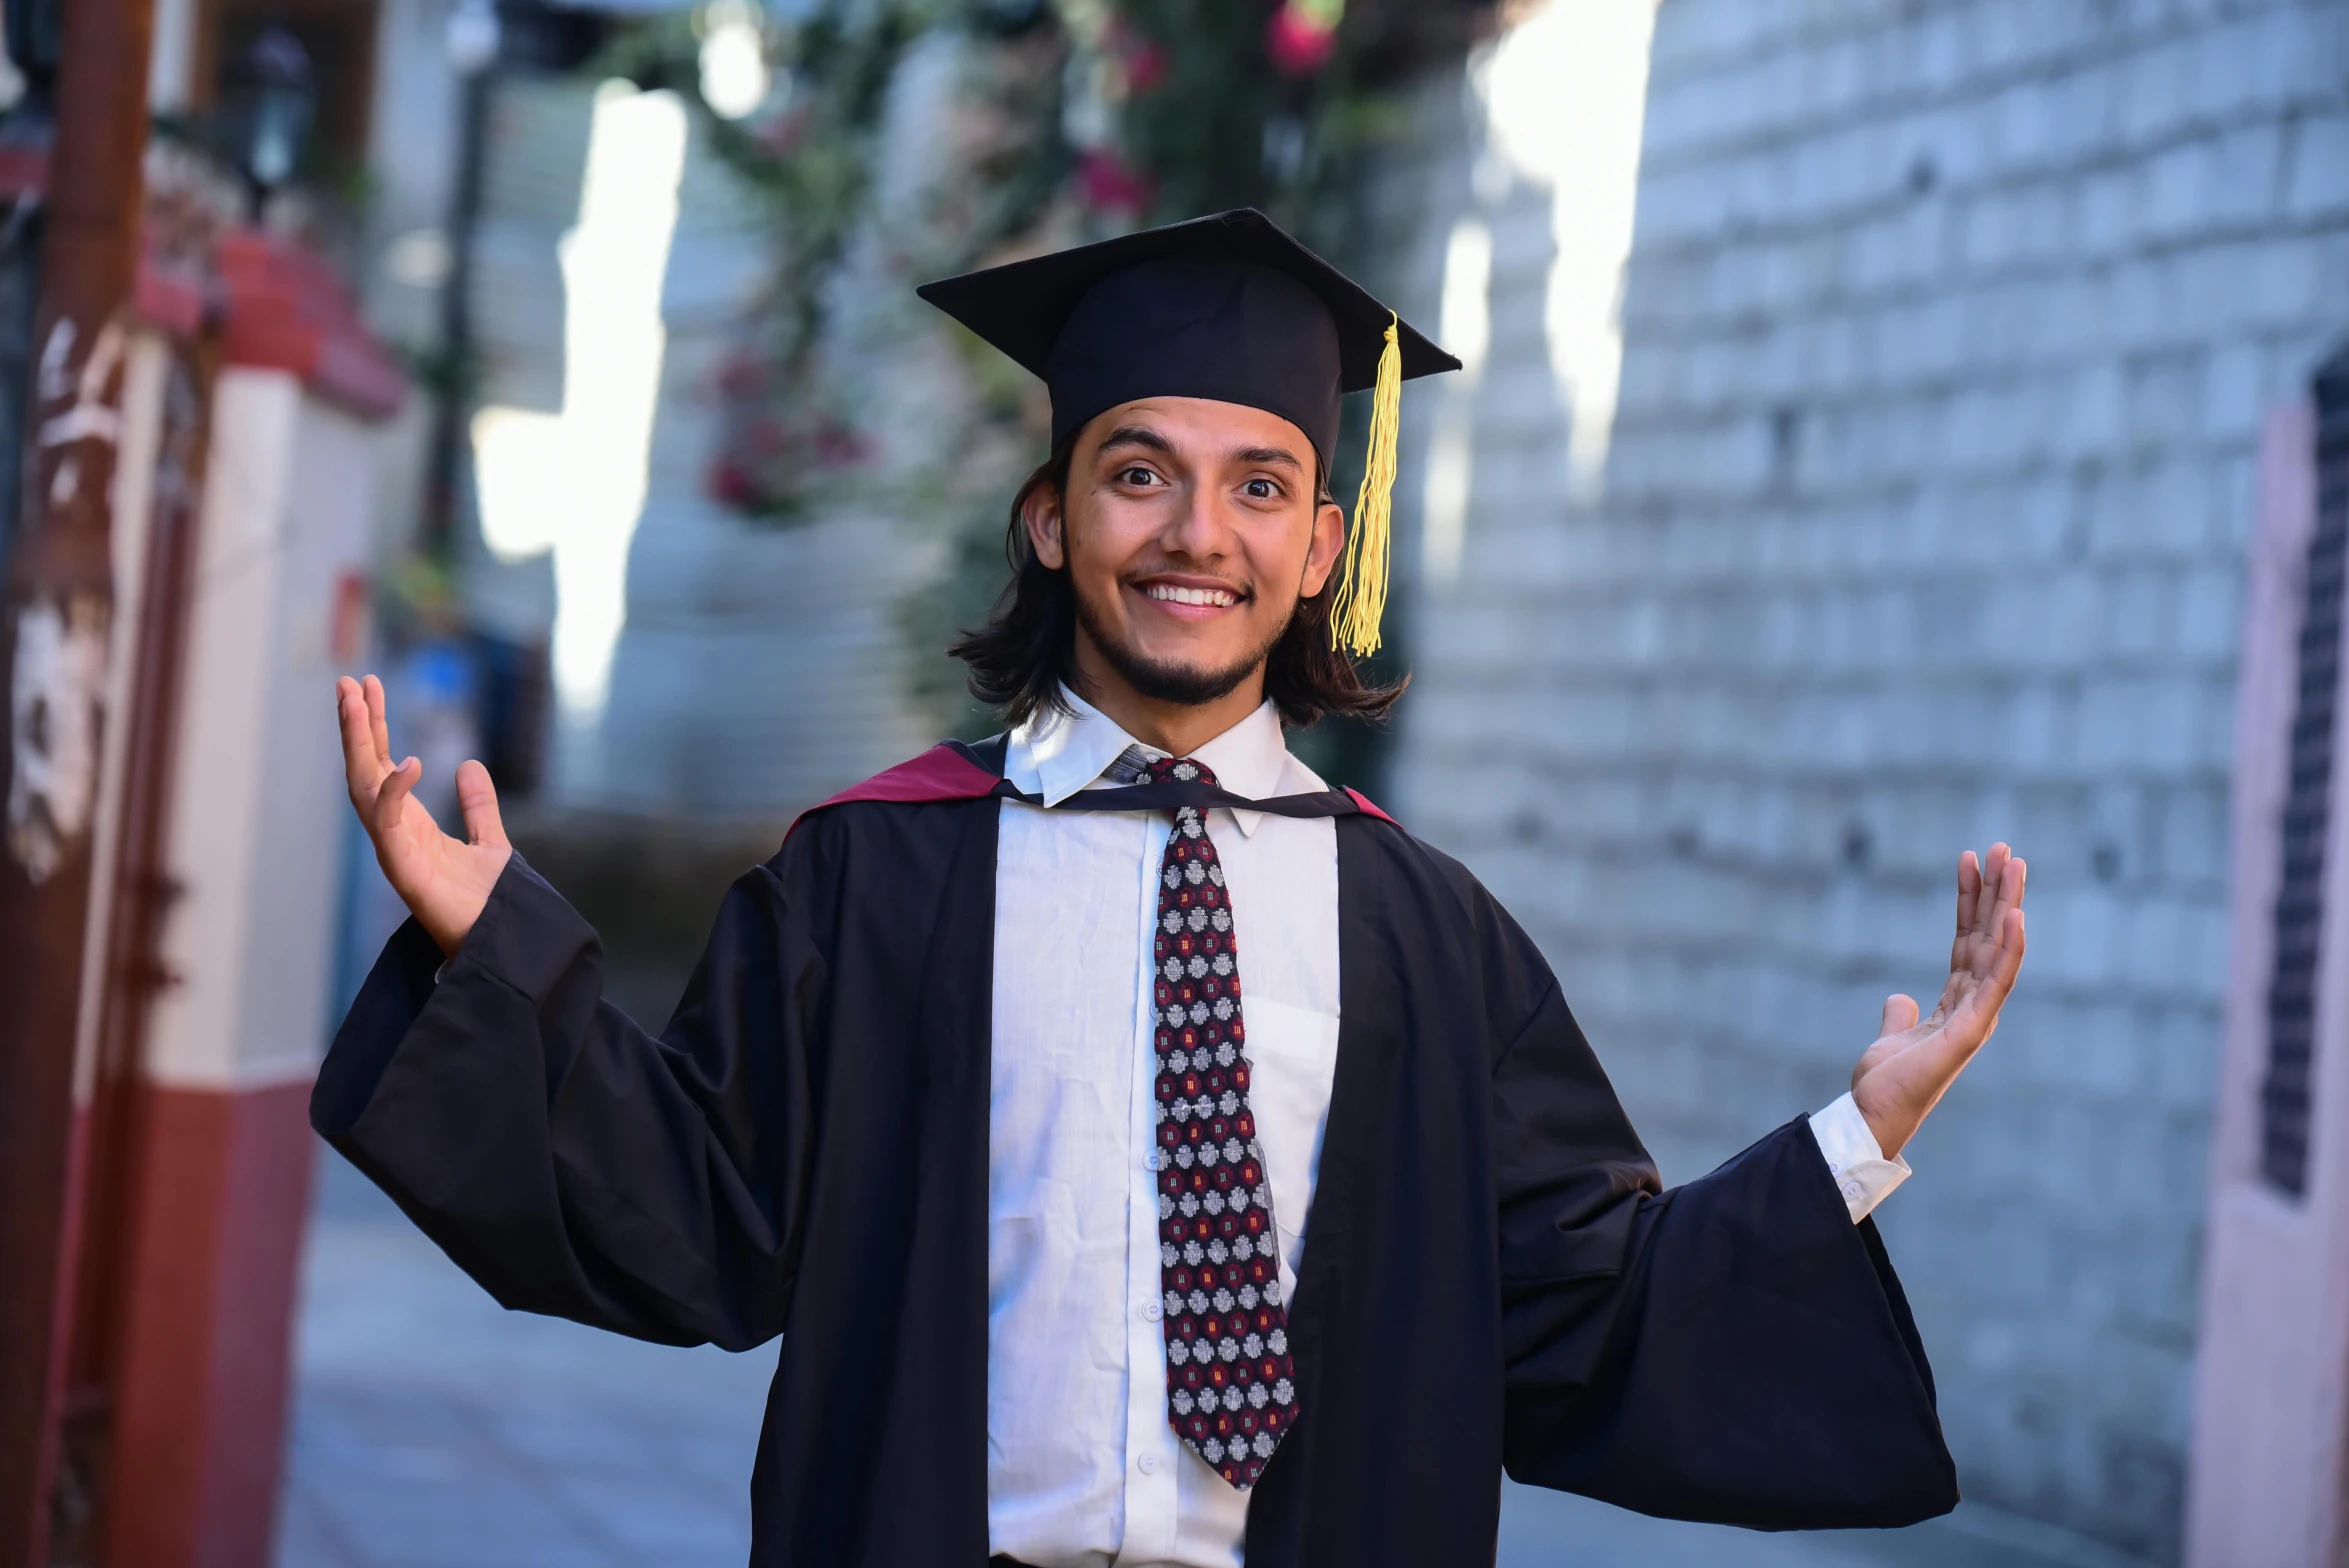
column 1947, row 329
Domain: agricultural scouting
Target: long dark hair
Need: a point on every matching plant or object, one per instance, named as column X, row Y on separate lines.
column 1025, row 652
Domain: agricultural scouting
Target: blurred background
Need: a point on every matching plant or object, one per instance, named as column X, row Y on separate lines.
column 1888, row 425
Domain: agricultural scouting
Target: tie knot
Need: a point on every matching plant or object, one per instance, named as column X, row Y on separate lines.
column 1181, row 770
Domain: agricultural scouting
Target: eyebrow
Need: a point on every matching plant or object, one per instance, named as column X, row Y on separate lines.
column 1270, row 454
column 1137, row 435
column 1144, row 436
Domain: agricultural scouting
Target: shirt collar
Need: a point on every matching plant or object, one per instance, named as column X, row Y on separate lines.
column 1054, row 755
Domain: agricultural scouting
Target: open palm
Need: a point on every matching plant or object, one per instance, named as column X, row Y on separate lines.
column 444, row 881
column 1913, row 1062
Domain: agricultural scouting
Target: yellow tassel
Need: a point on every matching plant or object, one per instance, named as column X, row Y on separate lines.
column 1362, row 590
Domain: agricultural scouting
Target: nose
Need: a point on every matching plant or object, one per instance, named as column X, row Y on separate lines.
column 1201, row 530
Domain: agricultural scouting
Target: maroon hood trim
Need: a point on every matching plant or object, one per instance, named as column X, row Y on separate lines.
column 948, row 772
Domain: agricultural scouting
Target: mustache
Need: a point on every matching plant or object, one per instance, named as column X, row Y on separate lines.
column 1164, row 680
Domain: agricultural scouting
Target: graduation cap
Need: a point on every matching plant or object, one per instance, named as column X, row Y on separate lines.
column 1229, row 308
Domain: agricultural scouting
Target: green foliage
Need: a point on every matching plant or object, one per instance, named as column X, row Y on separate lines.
column 810, row 158
column 1072, row 120
column 813, row 160
column 1216, row 127
column 1224, row 125
column 1077, row 117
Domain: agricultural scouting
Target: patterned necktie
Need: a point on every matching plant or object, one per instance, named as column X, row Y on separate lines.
column 1230, row 1385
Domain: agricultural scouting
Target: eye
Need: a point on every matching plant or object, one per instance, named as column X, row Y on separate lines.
column 1136, row 475
column 1261, row 489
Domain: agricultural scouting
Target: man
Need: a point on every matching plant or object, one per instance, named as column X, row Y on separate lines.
column 1147, row 1154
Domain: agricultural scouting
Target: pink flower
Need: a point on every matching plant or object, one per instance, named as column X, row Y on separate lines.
column 1145, row 66
column 839, row 445
column 1298, row 42
column 766, row 437
column 730, row 486
column 742, row 376
column 1107, row 184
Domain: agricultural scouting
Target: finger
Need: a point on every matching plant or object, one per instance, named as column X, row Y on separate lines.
column 391, row 798
column 360, row 770
column 2007, row 900
column 377, row 723
column 1969, row 890
column 1900, row 1015
column 477, row 799
column 1986, row 901
column 2012, row 940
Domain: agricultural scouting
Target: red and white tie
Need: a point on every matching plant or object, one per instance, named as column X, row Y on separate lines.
column 1231, row 1387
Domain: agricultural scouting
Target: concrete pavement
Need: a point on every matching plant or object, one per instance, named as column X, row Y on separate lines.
column 435, row 1430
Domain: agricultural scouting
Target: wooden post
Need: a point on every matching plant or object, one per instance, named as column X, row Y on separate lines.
column 54, row 621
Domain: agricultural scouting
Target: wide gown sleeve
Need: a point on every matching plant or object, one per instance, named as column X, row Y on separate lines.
column 1734, row 1350
column 571, row 1162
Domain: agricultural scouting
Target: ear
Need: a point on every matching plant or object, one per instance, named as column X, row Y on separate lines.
column 1040, row 514
column 1321, row 557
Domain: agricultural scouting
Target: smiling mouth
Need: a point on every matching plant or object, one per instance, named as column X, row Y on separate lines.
column 1218, row 598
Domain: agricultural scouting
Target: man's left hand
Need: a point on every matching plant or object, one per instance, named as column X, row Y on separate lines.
column 1905, row 1073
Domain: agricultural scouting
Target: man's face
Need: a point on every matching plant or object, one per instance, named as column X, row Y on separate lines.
column 1191, row 529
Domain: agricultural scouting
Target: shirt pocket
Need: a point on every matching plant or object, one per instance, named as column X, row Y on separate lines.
column 1032, row 1246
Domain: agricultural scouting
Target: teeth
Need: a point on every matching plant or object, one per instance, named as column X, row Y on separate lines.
column 1214, row 596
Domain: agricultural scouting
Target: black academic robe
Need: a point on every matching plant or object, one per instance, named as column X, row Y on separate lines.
column 1493, row 1277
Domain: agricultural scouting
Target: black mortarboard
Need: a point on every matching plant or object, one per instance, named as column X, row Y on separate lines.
column 1230, row 308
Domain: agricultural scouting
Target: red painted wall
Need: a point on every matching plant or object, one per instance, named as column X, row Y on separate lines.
column 207, row 1336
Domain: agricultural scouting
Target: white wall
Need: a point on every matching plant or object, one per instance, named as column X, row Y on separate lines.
column 258, row 814
column 1947, row 332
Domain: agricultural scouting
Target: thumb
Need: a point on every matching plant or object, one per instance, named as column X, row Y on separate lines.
column 1900, row 1014
column 477, row 800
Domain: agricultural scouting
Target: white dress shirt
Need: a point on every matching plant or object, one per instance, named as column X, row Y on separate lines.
column 1083, row 1469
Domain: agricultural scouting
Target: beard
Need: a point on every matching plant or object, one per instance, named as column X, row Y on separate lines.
column 1161, row 680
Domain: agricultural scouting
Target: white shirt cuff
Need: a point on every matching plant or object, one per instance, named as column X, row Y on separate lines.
column 1862, row 1174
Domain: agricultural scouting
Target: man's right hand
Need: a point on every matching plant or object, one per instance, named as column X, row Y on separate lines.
column 444, row 881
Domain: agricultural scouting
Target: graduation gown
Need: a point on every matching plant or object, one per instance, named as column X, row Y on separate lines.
column 1493, row 1277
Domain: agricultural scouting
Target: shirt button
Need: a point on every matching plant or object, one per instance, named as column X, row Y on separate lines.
column 1153, row 1312
column 1147, row 1464
column 1851, row 1189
